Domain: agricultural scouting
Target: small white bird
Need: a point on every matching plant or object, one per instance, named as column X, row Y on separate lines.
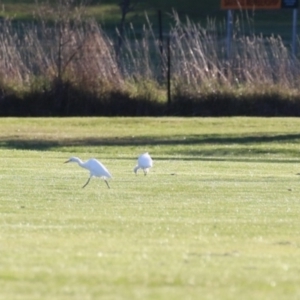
column 96, row 168
column 144, row 162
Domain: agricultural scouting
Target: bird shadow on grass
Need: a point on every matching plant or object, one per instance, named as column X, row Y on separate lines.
column 219, row 151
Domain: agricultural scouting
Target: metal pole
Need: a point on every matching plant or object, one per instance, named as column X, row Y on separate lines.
column 160, row 32
column 294, row 31
column 169, row 71
column 229, row 33
column 161, row 49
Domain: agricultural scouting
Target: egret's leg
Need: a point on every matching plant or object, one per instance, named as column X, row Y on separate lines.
column 107, row 184
column 87, row 182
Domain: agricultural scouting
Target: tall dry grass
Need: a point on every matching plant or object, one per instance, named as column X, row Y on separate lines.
column 76, row 51
column 256, row 64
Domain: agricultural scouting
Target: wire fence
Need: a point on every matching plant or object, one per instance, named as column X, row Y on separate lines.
column 188, row 51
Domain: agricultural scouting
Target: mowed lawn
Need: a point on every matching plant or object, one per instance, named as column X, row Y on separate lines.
column 217, row 217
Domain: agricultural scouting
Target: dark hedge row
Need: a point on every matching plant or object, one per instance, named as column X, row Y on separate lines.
column 65, row 100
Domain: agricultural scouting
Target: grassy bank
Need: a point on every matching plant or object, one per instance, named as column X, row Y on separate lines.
column 217, row 215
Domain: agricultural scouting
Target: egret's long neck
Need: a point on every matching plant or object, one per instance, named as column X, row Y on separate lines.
column 79, row 161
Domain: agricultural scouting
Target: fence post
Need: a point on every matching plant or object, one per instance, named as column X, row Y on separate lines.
column 294, row 33
column 229, row 33
column 160, row 32
column 160, row 46
column 169, row 70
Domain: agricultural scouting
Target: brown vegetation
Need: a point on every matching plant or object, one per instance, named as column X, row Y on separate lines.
column 70, row 67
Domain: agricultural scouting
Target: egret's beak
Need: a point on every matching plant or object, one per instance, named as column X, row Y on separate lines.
column 67, row 161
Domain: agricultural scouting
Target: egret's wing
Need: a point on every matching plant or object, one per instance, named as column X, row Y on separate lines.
column 145, row 161
column 98, row 169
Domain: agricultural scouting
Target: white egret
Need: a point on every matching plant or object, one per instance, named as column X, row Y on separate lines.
column 144, row 162
column 96, row 168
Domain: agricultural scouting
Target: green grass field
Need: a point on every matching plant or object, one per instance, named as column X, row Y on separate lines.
column 109, row 9
column 107, row 12
column 217, row 217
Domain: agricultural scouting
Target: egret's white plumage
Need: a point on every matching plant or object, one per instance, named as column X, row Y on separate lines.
column 96, row 168
column 144, row 162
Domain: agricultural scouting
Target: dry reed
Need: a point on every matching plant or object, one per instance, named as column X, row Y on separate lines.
column 80, row 53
